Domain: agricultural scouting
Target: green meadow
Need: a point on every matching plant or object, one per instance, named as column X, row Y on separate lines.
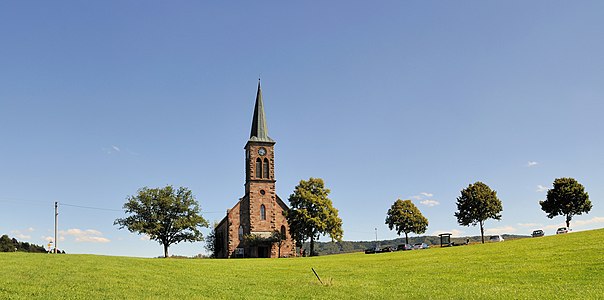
column 569, row 266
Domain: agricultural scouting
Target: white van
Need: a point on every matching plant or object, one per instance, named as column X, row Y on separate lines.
column 496, row 238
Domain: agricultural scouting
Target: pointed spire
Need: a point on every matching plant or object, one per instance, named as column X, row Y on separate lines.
column 259, row 131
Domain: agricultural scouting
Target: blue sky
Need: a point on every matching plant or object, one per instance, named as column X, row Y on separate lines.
column 409, row 100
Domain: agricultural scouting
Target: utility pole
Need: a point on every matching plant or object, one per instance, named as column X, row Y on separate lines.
column 56, row 223
column 376, row 244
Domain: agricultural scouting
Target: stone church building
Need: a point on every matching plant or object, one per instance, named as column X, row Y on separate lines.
column 259, row 213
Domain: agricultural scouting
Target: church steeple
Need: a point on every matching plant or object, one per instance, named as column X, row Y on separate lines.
column 259, row 131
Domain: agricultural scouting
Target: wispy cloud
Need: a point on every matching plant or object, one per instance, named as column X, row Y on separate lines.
column 23, row 234
column 530, row 225
column 429, row 202
column 17, row 234
column 453, row 232
column 423, row 198
column 541, row 188
column 85, row 236
column 594, row 220
column 532, row 164
column 112, row 149
column 500, row 230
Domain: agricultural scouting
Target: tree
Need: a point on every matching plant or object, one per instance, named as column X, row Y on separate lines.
column 165, row 215
column 476, row 204
column 567, row 198
column 312, row 213
column 212, row 242
column 405, row 217
column 6, row 244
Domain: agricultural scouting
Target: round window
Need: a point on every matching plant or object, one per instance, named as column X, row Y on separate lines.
column 262, row 192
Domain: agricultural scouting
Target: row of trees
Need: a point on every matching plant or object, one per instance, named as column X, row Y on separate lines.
column 170, row 216
column 478, row 203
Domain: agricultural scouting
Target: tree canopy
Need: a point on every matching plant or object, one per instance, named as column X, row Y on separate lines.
column 405, row 217
column 567, row 198
column 312, row 214
column 9, row 245
column 477, row 204
column 165, row 215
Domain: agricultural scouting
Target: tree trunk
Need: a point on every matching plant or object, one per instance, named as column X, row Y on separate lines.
column 406, row 239
column 312, row 245
column 568, row 218
column 166, row 250
column 482, row 231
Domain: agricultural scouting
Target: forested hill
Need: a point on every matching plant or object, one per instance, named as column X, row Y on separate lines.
column 10, row 245
column 325, row 248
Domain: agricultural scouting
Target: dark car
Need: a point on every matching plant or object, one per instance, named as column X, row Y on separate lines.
column 538, row 233
column 387, row 249
column 404, row 247
column 372, row 250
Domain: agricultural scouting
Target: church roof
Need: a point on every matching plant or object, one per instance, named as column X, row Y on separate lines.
column 259, row 131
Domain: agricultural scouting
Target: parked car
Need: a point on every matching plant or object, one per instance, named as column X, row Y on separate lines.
column 404, row 247
column 387, row 249
column 538, row 233
column 562, row 230
column 372, row 250
column 420, row 246
column 496, row 238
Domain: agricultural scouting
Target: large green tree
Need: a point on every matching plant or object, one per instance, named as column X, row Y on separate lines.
column 477, row 204
column 312, row 214
column 6, row 244
column 405, row 217
column 165, row 215
column 567, row 198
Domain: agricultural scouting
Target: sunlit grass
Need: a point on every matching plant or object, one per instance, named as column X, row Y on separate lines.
column 569, row 266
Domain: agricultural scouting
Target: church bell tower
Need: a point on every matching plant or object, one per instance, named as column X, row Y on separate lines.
column 259, row 152
column 260, row 212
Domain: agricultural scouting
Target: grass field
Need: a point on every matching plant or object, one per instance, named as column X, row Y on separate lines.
column 569, row 266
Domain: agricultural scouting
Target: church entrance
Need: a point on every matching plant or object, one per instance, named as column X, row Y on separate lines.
column 263, row 252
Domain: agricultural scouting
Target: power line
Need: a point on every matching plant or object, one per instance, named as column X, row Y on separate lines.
column 47, row 203
column 110, row 209
column 89, row 207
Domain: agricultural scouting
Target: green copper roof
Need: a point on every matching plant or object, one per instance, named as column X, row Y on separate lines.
column 259, row 131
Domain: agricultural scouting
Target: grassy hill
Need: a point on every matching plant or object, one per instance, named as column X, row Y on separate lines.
column 569, row 266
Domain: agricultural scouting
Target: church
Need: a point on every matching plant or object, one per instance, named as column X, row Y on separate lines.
column 259, row 213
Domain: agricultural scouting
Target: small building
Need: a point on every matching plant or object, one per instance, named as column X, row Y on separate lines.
column 445, row 239
column 248, row 227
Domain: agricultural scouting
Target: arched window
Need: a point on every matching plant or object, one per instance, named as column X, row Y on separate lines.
column 258, row 168
column 262, row 212
column 241, row 233
column 265, row 168
column 283, row 232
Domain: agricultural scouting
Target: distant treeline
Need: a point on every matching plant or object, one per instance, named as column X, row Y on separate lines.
column 325, row 248
column 11, row 245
